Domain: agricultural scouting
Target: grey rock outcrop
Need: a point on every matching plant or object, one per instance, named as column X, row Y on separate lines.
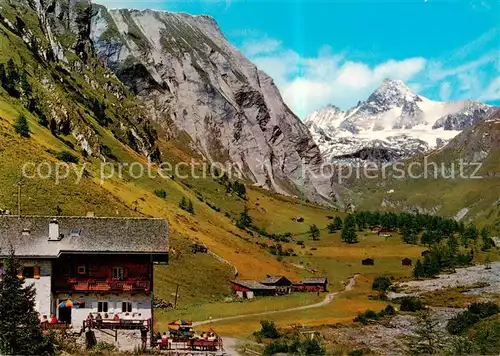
column 199, row 87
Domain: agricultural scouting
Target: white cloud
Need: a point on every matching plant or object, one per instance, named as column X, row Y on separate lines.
column 445, row 91
column 492, row 92
column 265, row 46
column 308, row 83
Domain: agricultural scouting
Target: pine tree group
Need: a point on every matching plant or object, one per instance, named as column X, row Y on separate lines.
column 335, row 225
column 245, row 220
column 20, row 332
column 349, row 234
column 186, row 205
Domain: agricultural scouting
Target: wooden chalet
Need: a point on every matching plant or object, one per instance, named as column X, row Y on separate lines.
column 375, row 229
column 368, row 262
column 406, row 262
column 249, row 289
column 82, row 265
column 282, row 284
column 312, row 284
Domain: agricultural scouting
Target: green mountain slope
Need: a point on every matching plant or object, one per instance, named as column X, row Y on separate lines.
column 74, row 105
column 472, row 158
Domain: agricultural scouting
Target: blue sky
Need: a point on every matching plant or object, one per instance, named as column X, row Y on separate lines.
column 338, row 52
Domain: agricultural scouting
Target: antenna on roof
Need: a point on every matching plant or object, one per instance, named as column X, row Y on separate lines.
column 19, row 199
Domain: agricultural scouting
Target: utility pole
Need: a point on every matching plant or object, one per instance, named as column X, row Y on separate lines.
column 19, row 199
column 176, row 296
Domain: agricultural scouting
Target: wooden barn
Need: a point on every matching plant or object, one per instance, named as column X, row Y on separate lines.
column 385, row 233
column 406, row 262
column 368, row 262
column 312, row 284
column 282, row 284
column 375, row 229
column 250, row 289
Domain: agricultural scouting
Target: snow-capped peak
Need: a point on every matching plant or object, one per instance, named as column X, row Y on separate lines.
column 393, row 114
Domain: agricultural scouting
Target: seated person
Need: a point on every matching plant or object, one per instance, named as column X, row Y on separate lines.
column 106, row 316
column 44, row 319
column 116, row 317
column 53, row 319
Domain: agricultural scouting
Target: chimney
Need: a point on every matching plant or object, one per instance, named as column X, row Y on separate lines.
column 54, row 230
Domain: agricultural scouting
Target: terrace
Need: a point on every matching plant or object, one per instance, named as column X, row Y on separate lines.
column 65, row 285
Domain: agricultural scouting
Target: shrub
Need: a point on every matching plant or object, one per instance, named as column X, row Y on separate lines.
column 21, row 126
column 366, row 317
column 67, row 157
column 186, row 205
column 312, row 347
column 268, row 330
column 160, row 193
column 381, row 284
column 474, row 313
column 389, row 310
column 276, row 347
column 411, row 304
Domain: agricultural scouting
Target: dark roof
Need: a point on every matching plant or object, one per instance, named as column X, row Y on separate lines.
column 250, row 284
column 273, row 279
column 314, row 280
column 96, row 235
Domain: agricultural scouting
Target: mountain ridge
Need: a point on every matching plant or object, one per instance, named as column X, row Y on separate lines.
column 200, row 85
column 405, row 122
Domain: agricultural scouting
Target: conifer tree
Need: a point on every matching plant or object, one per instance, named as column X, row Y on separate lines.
column 21, row 126
column 331, row 228
column 349, row 230
column 245, row 220
column 418, row 271
column 20, row 332
column 337, row 222
column 3, row 75
column 183, row 203
column 190, row 208
column 314, row 231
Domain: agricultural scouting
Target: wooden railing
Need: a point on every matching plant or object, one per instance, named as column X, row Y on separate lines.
column 93, row 285
column 131, row 324
column 57, row 326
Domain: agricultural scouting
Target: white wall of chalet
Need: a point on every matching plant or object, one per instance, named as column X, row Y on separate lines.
column 139, row 303
column 43, row 285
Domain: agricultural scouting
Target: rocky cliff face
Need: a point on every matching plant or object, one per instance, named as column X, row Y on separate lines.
column 68, row 88
column 196, row 83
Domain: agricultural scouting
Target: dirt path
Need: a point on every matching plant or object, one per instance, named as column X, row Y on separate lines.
column 328, row 299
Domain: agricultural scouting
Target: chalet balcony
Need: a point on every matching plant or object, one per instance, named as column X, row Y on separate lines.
column 91, row 285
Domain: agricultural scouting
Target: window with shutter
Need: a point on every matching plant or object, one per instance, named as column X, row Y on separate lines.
column 102, row 307
column 126, row 307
